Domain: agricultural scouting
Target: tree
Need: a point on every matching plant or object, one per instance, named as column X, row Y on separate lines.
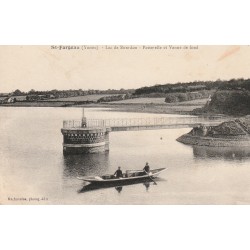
column 17, row 92
column 32, row 91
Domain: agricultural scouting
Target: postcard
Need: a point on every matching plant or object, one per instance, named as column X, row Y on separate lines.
column 124, row 125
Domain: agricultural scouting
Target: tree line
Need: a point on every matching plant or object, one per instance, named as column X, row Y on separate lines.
column 182, row 97
column 172, row 92
column 195, row 86
column 70, row 93
column 234, row 102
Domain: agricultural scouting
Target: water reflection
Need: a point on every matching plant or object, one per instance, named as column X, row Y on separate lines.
column 147, row 185
column 92, row 187
column 226, row 153
column 82, row 165
column 118, row 189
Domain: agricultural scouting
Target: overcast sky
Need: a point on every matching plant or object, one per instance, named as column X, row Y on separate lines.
column 43, row 68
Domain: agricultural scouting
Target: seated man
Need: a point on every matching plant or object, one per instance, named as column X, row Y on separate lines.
column 118, row 173
column 146, row 168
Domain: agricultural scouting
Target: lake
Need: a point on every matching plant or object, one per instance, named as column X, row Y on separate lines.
column 33, row 169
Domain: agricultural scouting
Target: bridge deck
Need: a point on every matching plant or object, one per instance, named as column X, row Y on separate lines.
column 134, row 124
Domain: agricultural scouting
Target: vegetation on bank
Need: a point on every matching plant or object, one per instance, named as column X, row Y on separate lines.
column 69, row 93
column 229, row 102
column 183, row 97
column 181, row 92
column 195, row 86
column 114, row 98
column 141, row 100
column 85, row 98
column 223, row 101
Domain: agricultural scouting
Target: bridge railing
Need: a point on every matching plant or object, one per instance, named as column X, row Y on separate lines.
column 72, row 124
column 127, row 122
column 79, row 123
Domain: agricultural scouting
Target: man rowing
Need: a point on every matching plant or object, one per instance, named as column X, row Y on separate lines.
column 146, row 168
column 118, row 173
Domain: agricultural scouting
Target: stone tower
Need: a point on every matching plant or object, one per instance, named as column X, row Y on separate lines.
column 79, row 137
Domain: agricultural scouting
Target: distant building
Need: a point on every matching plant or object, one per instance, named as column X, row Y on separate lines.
column 42, row 97
column 20, row 98
column 8, row 100
column 50, row 96
column 11, row 100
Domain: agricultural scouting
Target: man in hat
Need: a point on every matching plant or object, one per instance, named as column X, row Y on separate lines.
column 118, row 173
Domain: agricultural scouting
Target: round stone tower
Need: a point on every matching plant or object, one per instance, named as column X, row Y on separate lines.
column 81, row 137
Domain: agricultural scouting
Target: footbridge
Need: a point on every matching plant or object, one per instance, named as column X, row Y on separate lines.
column 135, row 124
column 92, row 135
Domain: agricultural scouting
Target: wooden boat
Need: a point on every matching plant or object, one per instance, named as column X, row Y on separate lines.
column 131, row 176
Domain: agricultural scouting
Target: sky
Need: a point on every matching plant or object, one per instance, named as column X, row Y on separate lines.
column 44, row 68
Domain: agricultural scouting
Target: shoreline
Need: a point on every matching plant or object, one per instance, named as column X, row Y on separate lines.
column 177, row 108
column 229, row 133
column 214, row 142
column 139, row 108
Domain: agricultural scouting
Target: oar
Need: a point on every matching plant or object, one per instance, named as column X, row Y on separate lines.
column 150, row 177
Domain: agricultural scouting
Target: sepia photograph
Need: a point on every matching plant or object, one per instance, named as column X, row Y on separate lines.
column 124, row 125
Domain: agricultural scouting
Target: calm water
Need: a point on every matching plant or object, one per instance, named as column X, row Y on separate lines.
column 32, row 165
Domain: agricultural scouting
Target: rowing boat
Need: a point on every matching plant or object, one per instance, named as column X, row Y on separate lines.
column 129, row 177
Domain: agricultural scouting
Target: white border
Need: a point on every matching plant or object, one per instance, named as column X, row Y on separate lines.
column 124, row 22
column 124, row 227
column 47, row 22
